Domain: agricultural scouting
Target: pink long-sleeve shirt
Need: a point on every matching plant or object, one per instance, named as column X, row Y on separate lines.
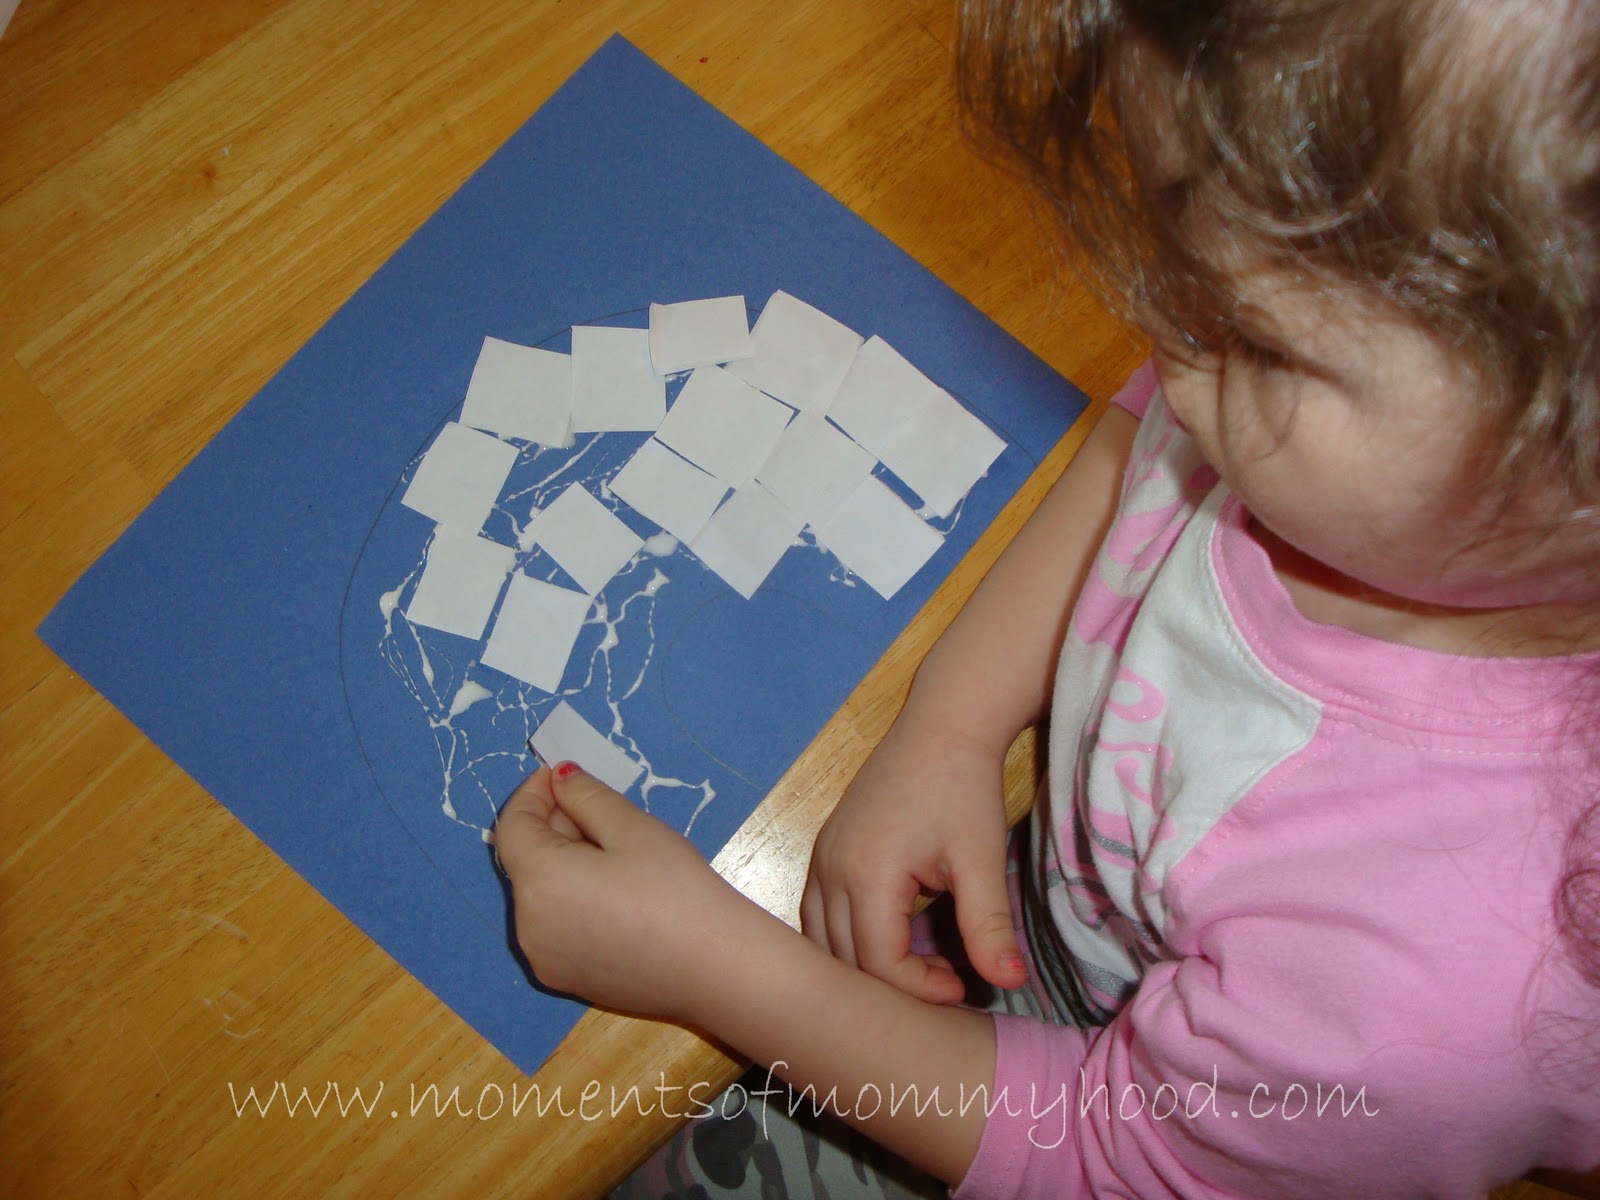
column 1306, row 878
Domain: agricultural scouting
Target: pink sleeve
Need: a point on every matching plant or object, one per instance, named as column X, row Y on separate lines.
column 1151, row 1105
column 1117, row 1111
column 1253, row 1081
column 1137, row 391
column 1162, row 1104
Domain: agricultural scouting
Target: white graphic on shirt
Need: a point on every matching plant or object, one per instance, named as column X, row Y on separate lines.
column 1163, row 719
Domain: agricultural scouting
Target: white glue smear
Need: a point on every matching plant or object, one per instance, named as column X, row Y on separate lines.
column 481, row 719
column 478, row 717
column 467, row 695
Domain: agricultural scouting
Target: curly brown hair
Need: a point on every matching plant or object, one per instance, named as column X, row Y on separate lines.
column 1443, row 155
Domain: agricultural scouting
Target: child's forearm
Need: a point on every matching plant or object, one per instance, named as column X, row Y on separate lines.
column 898, row 1069
column 990, row 675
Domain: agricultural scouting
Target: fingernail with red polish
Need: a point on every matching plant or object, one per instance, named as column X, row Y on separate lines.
column 567, row 769
column 1011, row 962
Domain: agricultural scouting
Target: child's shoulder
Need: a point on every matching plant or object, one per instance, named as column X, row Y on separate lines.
column 1137, row 392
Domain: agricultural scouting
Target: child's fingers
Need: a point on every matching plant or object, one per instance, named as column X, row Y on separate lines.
column 881, row 934
column 525, row 827
column 535, row 792
column 983, row 914
column 930, row 977
column 825, row 919
column 883, row 952
column 556, row 815
column 811, row 922
column 599, row 813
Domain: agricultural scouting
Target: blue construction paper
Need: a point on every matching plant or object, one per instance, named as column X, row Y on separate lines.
column 240, row 622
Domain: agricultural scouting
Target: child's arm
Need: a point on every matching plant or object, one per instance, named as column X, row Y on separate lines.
column 926, row 811
column 614, row 906
column 1293, row 1050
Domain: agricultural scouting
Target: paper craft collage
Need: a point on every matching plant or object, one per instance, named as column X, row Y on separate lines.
column 773, row 434
column 640, row 456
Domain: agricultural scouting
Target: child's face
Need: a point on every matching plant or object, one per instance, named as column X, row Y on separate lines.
column 1350, row 433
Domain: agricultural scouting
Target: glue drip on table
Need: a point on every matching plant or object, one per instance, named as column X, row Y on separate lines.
column 478, row 716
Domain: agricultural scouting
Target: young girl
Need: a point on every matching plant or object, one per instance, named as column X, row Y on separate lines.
column 1313, row 896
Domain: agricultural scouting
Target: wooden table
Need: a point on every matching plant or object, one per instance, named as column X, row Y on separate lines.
column 187, row 192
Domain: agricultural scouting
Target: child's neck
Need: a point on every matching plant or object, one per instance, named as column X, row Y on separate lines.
column 1328, row 597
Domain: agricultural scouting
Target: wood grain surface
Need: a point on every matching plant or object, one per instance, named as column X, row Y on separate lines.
column 187, row 192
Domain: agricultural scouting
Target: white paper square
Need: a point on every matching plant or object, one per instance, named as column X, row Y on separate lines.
column 459, row 479
column 916, row 428
column 943, row 452
column 461, row 580
column 746, row 537
column 521, row 392
column 723, row 425
column 564, row 736
column 801, row 353
column 614, row 387
column 699, row 333
column 534, row 633
column 877, row 536
column 585, row 538
column 880, row 395
column 676, row 495
column 814, row 467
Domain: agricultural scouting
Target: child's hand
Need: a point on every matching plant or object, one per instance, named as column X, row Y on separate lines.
column 924, row 814
column 611, row 904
